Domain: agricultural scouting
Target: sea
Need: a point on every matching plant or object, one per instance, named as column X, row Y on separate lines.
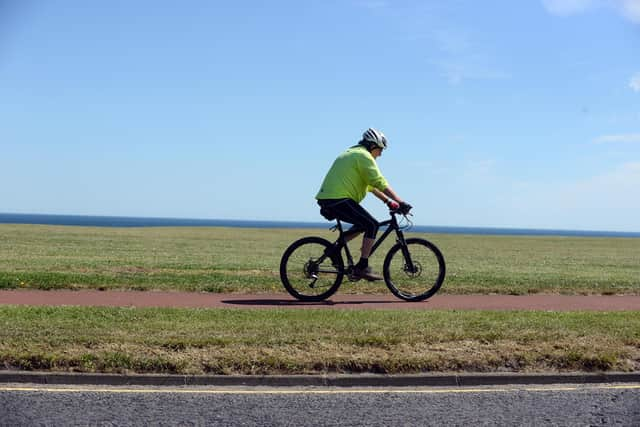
column 124, row 221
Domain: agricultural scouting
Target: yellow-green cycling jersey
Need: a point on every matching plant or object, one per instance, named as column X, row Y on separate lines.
column 352, row 174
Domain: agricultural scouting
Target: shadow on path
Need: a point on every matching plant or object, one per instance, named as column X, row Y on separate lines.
column 295, row 303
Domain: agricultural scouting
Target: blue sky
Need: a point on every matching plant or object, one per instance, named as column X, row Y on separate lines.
column 498, row 113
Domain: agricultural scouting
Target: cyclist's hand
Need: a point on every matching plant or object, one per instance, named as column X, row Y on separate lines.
column 393, row 205
column 405, row 208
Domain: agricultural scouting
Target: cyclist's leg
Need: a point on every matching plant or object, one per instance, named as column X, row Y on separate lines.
column 367, row 245
column 353, row 232
column 349, row 211
column 363, row 222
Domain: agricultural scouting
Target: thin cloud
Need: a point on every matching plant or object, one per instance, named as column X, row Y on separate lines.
column 628, row 9
column 634, row 84
column 461, row 59
column 457, row 70
column 603, row 201
column 374, row 4
column 452, row 42
column 567, row 7
column 622, row 138
column 631, row 10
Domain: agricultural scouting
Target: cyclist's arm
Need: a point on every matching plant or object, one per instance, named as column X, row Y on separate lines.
column 386, row 194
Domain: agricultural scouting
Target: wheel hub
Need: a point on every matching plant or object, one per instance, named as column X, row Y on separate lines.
column 311, row 269
column 416, row 271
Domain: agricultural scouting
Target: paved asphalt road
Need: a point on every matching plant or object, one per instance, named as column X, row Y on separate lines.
column 567, row 405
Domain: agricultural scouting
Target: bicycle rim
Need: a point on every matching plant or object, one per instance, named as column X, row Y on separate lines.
column 307, row 274
column 416, row 278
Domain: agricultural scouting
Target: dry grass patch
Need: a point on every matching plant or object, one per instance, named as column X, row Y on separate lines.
column 302, row 342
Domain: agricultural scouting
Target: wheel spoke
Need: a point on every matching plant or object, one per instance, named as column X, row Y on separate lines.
column 307, row 273
column 416, row 278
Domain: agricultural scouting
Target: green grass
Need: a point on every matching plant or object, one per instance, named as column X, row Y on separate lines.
column 301, row 341
column 289, row 341
column 247, row 260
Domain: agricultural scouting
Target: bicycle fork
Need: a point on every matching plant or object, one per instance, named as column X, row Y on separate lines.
column 409, row 266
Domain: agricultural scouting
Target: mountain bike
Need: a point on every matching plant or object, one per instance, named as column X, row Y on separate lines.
column 312, row 268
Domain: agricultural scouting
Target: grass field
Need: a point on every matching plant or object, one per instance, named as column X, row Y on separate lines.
column 301, row 341
column 247, row 260
column 228, row 341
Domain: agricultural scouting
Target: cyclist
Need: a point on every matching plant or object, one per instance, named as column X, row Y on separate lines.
column 352, row 174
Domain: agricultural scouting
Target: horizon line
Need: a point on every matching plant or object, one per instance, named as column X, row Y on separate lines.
column 314, row 223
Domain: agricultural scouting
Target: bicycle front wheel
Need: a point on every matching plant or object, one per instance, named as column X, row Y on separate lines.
column 414, row 272
column 309, row 272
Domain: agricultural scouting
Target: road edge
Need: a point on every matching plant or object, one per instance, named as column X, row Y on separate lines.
column 337, row 380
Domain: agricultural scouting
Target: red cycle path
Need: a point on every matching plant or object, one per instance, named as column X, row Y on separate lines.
column 338, row 301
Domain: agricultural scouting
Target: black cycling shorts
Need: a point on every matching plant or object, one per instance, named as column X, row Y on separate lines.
column 348, row 210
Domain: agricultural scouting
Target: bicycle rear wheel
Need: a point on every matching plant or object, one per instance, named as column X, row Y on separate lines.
column 415, row 274
column 307, row 273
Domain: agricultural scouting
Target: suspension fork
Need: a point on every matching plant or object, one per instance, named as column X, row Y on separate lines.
column 405, row 251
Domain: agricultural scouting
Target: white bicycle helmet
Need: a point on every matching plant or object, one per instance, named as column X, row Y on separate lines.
column 374, row 139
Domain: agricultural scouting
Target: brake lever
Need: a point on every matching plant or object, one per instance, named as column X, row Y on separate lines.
column 398, row 212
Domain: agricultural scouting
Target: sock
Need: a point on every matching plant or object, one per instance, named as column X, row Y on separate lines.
column 363, row 263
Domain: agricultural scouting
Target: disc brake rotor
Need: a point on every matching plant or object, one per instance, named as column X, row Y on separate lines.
column 415, row 272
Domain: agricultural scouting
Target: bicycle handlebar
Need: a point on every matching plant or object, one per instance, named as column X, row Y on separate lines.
column 397, row 212
column 403, row 207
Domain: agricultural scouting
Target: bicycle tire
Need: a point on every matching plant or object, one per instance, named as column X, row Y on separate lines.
column 428, row 272
column 297, row 269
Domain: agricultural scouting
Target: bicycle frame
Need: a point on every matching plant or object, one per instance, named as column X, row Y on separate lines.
column 391, row 224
